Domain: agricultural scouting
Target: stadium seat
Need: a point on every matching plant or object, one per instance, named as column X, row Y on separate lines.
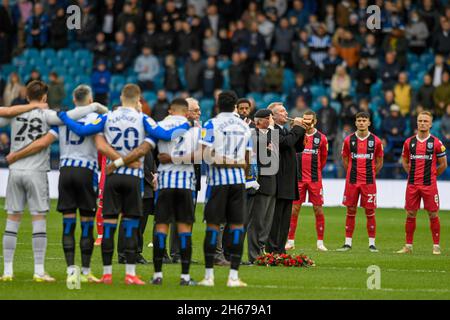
column 82, row 54
column 336, row 106
column 288, row 80
column 82, row 79
column 30, row 53
column 117, row 80
column 254, row 95
column 223, row 64
column 206, row 105
column 415, row 84
column 412, row 58
column 414, row 68
column 268, row 98
column 6, row 69
column 317, row 91
column 132, row 79
column 375, row 89
column 64, row 54
column 226, row 80
column 48, row 53
column 316, row 105
column 149, row 96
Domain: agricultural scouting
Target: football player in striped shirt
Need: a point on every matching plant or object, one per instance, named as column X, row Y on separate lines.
column 362, row 155
column 424, row 158
column 77, row 185
column 28, row 181
column 124, row 130
column 310, row 163
column 227, row 146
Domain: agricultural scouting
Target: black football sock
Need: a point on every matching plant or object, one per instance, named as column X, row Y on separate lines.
column 86, row 242
column 185, row 239
column 159, row 248
column 68, row 240
column 209, row 247
column 236, row 247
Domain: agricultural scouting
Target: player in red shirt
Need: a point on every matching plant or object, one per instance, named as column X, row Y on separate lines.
column 310, row 163
column 362, row 155
column 424, row 158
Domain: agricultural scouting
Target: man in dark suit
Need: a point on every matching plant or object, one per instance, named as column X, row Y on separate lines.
column 264, row 202
column 290, row 142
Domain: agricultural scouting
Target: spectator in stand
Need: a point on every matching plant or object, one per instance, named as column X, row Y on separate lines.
column 131, row 39
column 5, row 146
column 56, row 92
column 330, row 20
column 397, row 43
column 319, row 43
column 403, row 94
column 211, row 44
column 274, row 74
column 213, row 20
column 147, row 68
column 299, row 12
column 327, row 120
column 121, row 55
column 438, row 68
column 266, row 28
column 58, row 35
column 416, row 34
column 172, row 81
column 442, row 95
column 394, row 125
column 161, row 106
column 128, row 15
column 108, row 15
column 22, row 98
column 100, row 48
column 149, row 37
column 304, row 64
column 6, row 34
column 211, row 77
column 348, row 112
column 165, row 40
column 225, row 46
column 186, row 40
column 300, row 89
column 299, row 109
column 441, row 42
column 34, row 75
column 237, row 75
column 365, row 77
column 100, row 80
column 445, row 126
column 256, row 44
column 348, row 49
column 340, row 84
column 283, row 38
column 343, row 11
column 193, row 72
column 278, row 6
column 347, row 129
column 389, row 71
column 370, row 51
column 384, row 108
column 256, row 80
column 86, row 34
column 329, row 64
column 425, row 93
column 12, row 89
column 251, row 13
column 37, row 28
column 241, row 36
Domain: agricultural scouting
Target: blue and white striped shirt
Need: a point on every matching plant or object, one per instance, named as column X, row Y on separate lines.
column 228, row 136
column 319, row 48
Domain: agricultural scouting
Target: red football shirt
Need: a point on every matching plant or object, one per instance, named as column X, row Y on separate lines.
column 313, row 158
column 422, row 157
column 362, row 154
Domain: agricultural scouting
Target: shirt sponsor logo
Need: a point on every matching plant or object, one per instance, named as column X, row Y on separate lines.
column 362, row 156
column 421, row 157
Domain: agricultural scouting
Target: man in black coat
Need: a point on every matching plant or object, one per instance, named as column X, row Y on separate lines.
column 290, row 142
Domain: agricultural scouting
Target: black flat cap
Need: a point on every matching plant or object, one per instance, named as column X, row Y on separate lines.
column 263, row 113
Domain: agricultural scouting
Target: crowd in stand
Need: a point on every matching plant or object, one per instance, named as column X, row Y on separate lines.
column 201, row 46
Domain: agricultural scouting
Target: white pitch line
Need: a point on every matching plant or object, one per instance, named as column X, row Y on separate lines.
column 388, row 270
column 351, row 289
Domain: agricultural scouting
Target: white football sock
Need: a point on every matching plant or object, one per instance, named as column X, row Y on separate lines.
column 70, row 270
column 157, row 275
column 85, row 271
column 107, row 269
column 130, row 269
column 186, row 277
column 371, row 241
column 39, row 245
column 233, row 275
column 348, row 241
column 209, row 273
column 9, row 245
column 319, row 243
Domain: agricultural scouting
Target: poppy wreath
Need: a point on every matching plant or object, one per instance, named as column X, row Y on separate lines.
column 287, row 260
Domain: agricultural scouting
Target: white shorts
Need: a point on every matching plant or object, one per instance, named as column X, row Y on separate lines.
column 25, row 186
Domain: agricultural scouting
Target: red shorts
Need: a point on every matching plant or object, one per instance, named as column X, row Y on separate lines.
column 368, row 194
column 315, row 193
column 429, row 194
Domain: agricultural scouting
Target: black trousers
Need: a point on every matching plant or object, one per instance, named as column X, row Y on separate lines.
column 280, row 226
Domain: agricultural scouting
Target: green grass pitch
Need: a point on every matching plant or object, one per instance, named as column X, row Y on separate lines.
column 336, row 276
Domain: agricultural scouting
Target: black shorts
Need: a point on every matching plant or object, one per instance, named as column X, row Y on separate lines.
column 122, row 195
column 174, row 205
column 77, row 191
column 148, row 206
column 226, row 204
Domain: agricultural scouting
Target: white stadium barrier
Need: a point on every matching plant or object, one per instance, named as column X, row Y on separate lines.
column 391, row 193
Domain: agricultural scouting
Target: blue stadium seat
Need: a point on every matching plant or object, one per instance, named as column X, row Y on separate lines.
column 317, row 91
column 435, row 129
column 259, row 104
column 268, row 98
column 182, row 76
column 82, row 54
column 60, row 70
column 316, row 105
column 336, row 106
column 223, row 64
column 64, row 54
column 226, row 79
column 48, row 53
column 375, row 89
column 415, row 84
column 414, row 67
column 6, row 69
column 117, row 80
column 82, row 79
column 206, row 105
column 412, row 58
column 132, row 79
column 30, row 53
column 288, row 80
column 149, row 96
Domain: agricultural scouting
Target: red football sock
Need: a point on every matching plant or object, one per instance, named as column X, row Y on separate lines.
column 320, row 226
column 371, row 223
column 350, row 223
column 435, row 226
column 293, row 227
column 410, row 227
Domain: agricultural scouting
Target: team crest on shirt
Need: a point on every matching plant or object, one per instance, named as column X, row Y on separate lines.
column 443, row 149
column 371, row 144
column 203, row 132
column 316, row 140
column 353, row 143
column 430, row 145
column 97, row 121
